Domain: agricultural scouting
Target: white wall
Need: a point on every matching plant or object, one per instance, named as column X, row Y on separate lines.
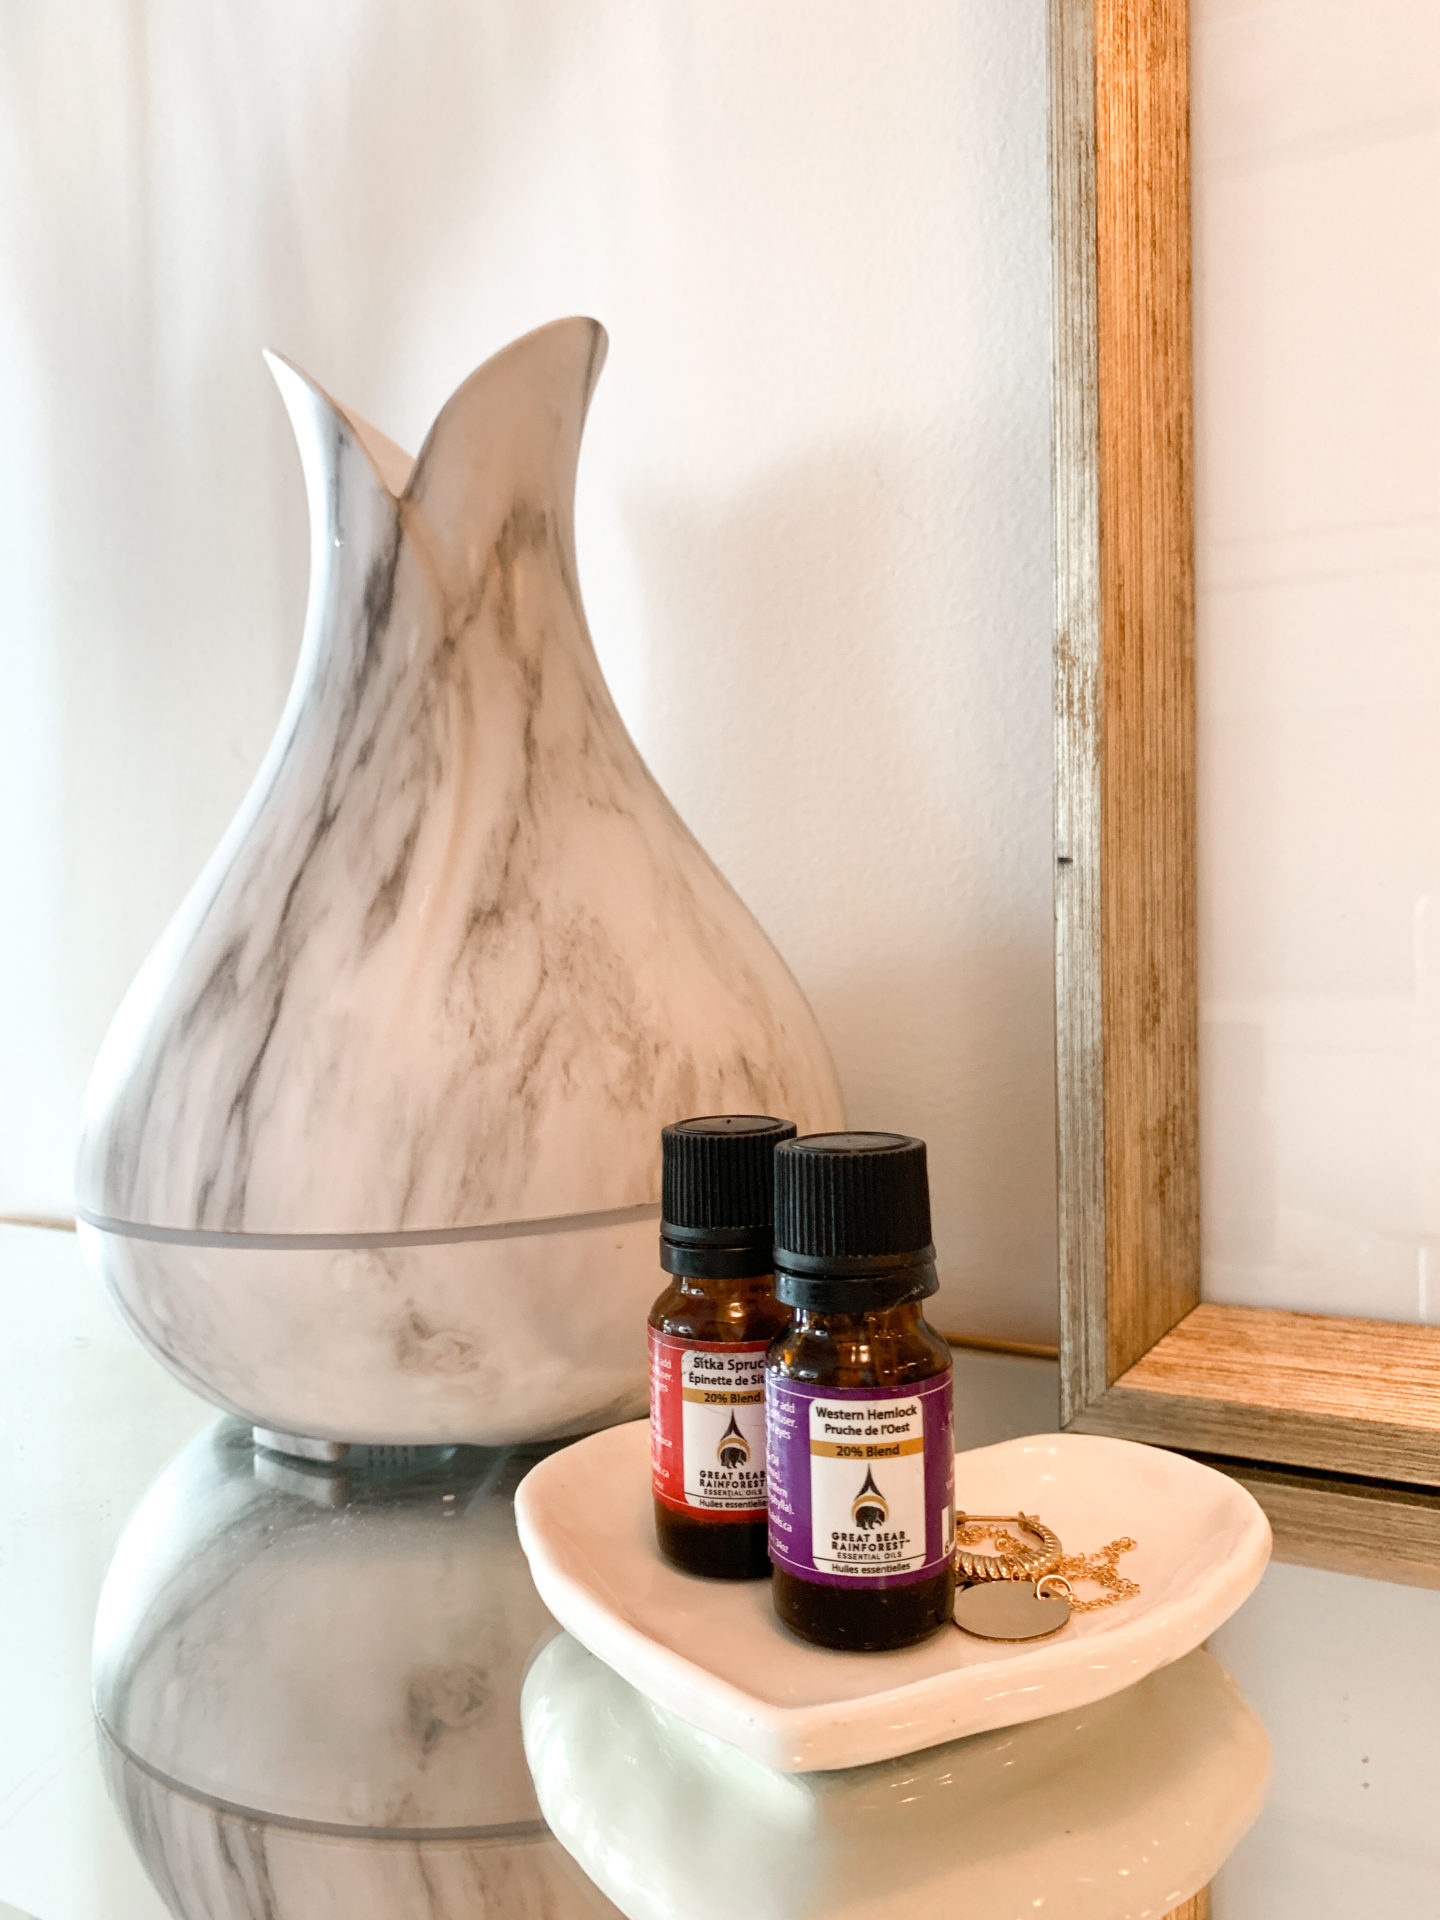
column 814, row 524
column 1317, row 308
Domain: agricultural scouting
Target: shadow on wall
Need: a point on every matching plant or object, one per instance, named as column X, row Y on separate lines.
column 870, row 767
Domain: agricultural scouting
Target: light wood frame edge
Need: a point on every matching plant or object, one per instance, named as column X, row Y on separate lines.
column 1196, row 1908
column 1344, row 1525
column 1126, row 1012
column 1246, row 1431
column 1124, row 685
column 1075, row 492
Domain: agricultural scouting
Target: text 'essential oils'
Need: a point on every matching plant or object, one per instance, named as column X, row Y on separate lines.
column 858, row 1399
column 709, row 1333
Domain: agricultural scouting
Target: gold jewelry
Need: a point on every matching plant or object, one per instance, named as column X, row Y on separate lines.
column 994, row 1610
column 1011, row 1610
column 1015, row 1561
column 1101, row 1569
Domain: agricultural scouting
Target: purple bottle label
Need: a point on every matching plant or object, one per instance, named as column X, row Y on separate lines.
column 861, row 1481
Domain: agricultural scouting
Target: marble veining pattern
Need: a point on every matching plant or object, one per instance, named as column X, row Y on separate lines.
column 308, row 1683
column 208, row 1863
column 488, row 1342
column 326, row 1646
column 457, row 959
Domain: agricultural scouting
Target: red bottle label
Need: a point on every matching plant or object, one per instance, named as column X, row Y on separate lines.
column 707, row 1425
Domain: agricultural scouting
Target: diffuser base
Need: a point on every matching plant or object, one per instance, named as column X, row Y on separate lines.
column 299, row 1448
column 534, row 1336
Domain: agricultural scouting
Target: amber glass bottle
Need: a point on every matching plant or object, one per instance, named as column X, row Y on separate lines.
column 709, row 1332
column 858, row 1399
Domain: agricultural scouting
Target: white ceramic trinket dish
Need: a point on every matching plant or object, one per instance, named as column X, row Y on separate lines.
column 714, row 1653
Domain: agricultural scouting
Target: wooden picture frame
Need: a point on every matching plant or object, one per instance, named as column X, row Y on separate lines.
column 1320, row 1415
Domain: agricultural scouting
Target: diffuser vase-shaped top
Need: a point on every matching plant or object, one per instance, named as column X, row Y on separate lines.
column 457, row 960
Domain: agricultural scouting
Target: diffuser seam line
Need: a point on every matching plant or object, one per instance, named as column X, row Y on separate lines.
column 503, row 1833
column 342, row 1242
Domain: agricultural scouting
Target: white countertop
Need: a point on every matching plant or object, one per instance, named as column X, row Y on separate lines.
column 1344, row 1672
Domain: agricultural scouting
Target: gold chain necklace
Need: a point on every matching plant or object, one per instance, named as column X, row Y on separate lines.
column 1099, row 1569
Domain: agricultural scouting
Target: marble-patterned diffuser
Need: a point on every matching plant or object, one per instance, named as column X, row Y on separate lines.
column 371, row 1149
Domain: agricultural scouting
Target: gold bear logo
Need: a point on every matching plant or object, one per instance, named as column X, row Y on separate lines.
column 734, row 1448
column 869, row 1507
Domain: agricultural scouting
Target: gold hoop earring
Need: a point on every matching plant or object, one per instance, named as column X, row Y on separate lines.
column 1022, row 1563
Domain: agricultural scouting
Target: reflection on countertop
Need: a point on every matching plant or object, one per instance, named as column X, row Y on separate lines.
column 338, row 1645
column 1117, row 1811
column 309, row 1683
column 307, row 1679
column 211, row 1863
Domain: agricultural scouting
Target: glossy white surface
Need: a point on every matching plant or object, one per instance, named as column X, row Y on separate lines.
column 1343, row 1671
column 1116, row 1812
column 1346, row 1675
column 1316, row 146
column 86, row 1421
column 86, row 1424
column 813, row 530
column 714, row 1653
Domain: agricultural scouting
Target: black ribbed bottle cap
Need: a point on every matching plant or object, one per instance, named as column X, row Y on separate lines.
column 717, row 1194
column 852, row 1222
